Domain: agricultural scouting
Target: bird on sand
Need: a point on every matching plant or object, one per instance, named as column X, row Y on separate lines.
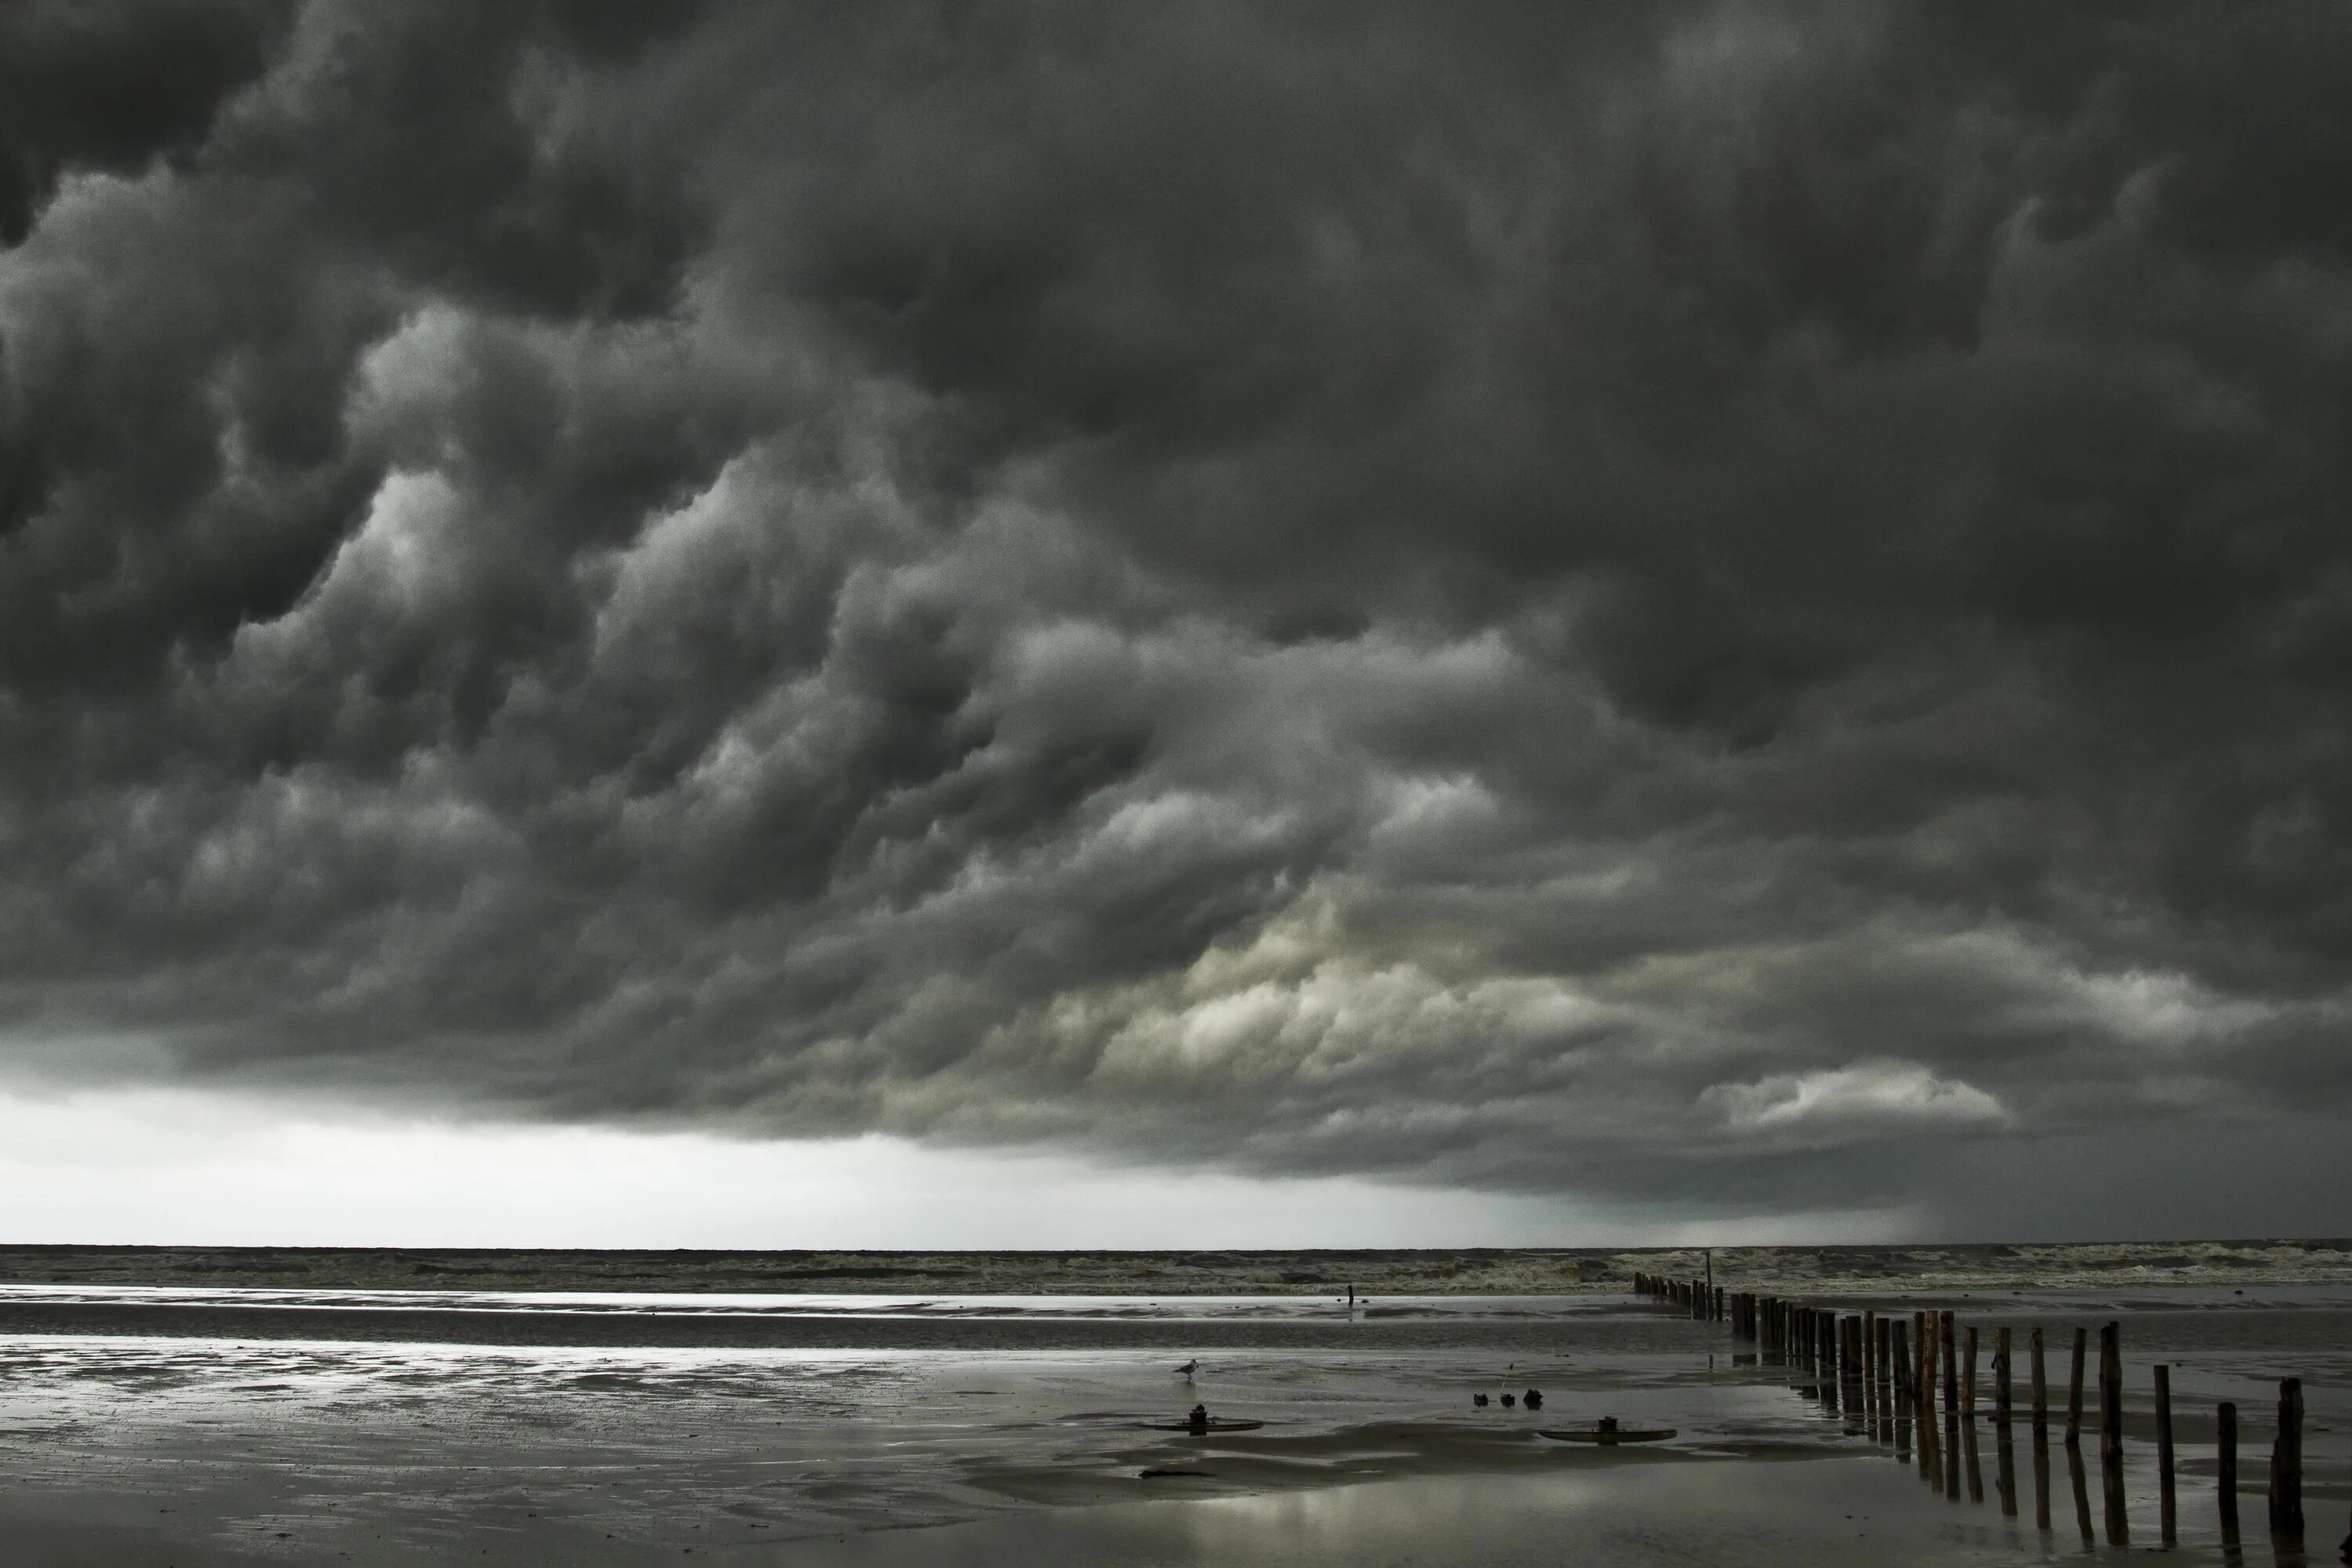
column 1479, row 1400
column 1190, row 1367
column 1509, row 1401
column 1533, row 1398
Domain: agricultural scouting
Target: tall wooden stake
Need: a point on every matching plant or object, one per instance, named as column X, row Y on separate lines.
column 2040, row 1390
column 2286, row 1468
column 2082, row 1493
column 2166, row 1514
column 1944, row 1336
column 2225, row 1464
column 2075, row 1394
column 2111, row 1432
column 1969, row 1375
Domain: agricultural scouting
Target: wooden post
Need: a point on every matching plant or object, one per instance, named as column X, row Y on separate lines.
column 1866, row 1339
column 1928, row 1465
column 2167, row 1515
column 1969, row 1375
column 1944, row 1338
column 2075, row 1394
column 2111, row 1432
column 2286, row 1468
column 2111, row 1389
column 2082, row 1493
column 2000, row 1375
column 2225, row 1464
column 2040, row 1390
column 1898, row 1356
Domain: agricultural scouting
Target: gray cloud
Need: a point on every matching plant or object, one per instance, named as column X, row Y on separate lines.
column 1679, row 603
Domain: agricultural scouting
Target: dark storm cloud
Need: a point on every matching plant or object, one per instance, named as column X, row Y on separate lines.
column 1459, row 598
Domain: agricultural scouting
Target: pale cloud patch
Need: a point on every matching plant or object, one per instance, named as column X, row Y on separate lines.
column 1868, row 1100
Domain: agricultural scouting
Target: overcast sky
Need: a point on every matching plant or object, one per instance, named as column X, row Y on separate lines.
column 1564, row 617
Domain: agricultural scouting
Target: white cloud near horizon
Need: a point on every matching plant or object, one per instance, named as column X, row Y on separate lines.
column 171, row 1166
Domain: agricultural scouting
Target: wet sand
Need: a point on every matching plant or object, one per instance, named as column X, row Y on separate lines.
column 201, row 1424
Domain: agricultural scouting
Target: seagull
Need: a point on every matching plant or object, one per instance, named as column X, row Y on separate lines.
column 1190, row 1367
column 1479, row 1400
column 1533, row 1399
column 1508, row 1402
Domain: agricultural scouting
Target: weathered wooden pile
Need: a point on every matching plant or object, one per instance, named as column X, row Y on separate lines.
column 1883, row 1370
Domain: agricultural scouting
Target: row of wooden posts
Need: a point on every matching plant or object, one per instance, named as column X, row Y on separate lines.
column 1889, row 1366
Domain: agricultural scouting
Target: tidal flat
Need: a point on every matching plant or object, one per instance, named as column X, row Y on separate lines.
column 196, row 1408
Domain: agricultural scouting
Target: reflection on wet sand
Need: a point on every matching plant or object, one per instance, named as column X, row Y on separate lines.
column 2082, row 1493
column 2042, row 1479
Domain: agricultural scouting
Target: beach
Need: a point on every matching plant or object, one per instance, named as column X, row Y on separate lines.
column 173, row 1422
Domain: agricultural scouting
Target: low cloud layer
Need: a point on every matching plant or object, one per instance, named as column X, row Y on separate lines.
column 1672, row 605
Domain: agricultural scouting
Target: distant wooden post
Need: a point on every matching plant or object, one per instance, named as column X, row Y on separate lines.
column 2000, row 1375
column 2225, row 1466
column 1969, row 1374
column 1898, row 1356
column 1922, row 1380
column 2286, row 1468
column 2040, row 1390
column 2166, row 1514
column 2075, row 1394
